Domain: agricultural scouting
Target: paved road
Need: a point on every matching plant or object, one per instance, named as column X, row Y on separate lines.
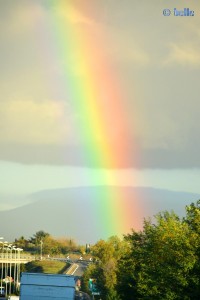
column 81, row 269
column 77, row 269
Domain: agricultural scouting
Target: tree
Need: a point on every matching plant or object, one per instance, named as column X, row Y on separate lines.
column 160, row 260
column 104, row 270
column 193, row 220
column 129, row 266
column 21, row 242
column 38, row 237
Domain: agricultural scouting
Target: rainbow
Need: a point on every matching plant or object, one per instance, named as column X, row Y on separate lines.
column 90, row 82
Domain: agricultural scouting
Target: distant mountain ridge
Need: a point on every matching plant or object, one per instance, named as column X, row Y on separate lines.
column 70, row 212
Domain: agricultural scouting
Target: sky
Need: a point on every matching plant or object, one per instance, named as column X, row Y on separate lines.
column 143, row 67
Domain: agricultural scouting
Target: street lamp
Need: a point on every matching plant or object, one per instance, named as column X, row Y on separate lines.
column 3, row 257
column 10, row 247
column 1, row 238
column 6, row 269
column 18, row 265
column 15, row 262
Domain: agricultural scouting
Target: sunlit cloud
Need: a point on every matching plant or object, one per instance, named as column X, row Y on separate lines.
column 32, row 122
column 125, row 49
column 183, row 55
column 71, row 14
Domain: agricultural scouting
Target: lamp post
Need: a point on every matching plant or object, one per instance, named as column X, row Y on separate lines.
column 15, row 258
column 18, row 265
column 1, row 238
column 3, row 258
column 6, row 270
column 10, row 273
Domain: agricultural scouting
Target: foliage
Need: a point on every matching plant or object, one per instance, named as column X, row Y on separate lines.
column 107, row 254
column 163, row 260
column 193, row 221
column 160, row 262
column 43, row 241
column 22, row 243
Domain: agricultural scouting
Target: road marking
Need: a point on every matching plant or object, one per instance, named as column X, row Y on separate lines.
column 75, row 269
column 72, row 269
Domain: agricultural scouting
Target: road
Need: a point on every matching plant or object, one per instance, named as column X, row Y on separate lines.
column 77, row 268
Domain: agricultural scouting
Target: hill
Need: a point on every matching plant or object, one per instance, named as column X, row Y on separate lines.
column 79, row 213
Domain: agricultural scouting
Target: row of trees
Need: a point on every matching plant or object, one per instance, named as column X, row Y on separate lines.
column 48, row 244
column 160, row 262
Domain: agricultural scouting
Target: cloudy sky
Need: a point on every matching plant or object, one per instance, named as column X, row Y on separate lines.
column 47, row 46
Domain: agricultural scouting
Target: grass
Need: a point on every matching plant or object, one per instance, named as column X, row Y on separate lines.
column 46, row 266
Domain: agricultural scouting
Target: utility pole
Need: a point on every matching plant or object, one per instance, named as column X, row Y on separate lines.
column 41, row 244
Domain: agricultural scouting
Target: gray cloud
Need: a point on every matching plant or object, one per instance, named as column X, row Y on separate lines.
column 157, row 63
column 187, row 157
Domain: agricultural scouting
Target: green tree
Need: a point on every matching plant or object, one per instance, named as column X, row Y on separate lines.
column 104, row 270
column 38, row 237
column 129, row 266
column 160, row 261
column 193, row 220
column 21, row 242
